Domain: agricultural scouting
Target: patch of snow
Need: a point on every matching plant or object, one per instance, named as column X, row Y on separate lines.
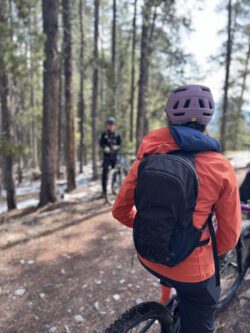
column 50, row 212
column 27, row 203
column 239, row 159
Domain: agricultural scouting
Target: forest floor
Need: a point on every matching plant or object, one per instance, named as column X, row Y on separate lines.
column 70, row 267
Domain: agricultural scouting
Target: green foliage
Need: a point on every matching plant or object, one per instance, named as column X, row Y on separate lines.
column 10, row 149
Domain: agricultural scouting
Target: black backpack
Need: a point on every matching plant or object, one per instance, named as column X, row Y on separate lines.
column 165, row 198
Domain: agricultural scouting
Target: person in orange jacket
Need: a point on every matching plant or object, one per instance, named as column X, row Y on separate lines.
column 189, row 109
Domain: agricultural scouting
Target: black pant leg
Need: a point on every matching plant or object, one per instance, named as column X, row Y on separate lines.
column 197, row 304
column 105, row 169
column 113, row 163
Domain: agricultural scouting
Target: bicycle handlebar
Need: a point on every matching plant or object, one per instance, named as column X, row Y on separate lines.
column 245, row 208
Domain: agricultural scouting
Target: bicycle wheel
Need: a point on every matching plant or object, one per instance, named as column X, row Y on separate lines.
column 234, row 266
column 114, row 183
column 150, row 317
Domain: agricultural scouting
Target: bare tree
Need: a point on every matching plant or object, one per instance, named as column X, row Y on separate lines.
column 132, row 89
column 95, row 91
column 50, row 102
column 70, row 121
column 245, row 74
column 113, row 52
column 60, row 115
column 81, row 110
column 227, row 76
column 144, row 71
column 7, row 135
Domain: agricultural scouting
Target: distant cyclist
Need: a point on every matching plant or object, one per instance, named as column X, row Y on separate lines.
column 177, row 181
column 110, row 142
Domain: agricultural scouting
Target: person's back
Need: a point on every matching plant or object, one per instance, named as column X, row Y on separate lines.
column 193, row 278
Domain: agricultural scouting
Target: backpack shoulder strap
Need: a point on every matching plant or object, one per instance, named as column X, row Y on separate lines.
column 209, row 223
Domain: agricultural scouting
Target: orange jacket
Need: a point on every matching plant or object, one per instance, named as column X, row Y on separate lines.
column 217, row 185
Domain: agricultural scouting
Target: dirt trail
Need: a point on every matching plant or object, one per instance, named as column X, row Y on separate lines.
column 79, row 278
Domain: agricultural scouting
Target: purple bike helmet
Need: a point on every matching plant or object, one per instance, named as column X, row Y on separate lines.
column 190, row 103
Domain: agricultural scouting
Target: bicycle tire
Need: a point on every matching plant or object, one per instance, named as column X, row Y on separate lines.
column 114, row 183
column 141, row 313
column 241, row 263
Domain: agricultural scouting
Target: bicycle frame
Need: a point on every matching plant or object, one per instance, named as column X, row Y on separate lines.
column 242, row 270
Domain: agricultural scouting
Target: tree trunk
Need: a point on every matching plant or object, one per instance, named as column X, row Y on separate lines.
column 60, row 116
column 241, row 99
column 132, row 92
column 113, row 102
column 70, row 121
column 95, row 92
column 6, row 113
column 50, row 103
column 143, row 80
column 82, row 113
column 34, row 152
column 227, row 77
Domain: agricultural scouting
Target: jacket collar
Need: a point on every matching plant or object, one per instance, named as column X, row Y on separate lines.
column 189, row 139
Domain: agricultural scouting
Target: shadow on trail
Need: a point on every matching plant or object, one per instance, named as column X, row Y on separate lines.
column 81, row 276
column 89, row 213
column 65, row 286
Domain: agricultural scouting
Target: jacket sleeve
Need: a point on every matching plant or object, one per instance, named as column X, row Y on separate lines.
column 228, row 213
column 102, row 141
column 123, row 209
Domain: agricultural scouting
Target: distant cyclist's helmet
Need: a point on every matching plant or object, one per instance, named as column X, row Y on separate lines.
column 110, row 121
column 190, row 103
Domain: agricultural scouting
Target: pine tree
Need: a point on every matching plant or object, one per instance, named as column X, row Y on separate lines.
column 69, row 110
column 50, row 103
column 7, row 127
column 95, row 91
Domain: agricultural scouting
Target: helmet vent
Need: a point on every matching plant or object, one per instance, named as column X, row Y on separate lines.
column 179, row 114
column 210, row 105
column 176, row 105
column 205, row 89
column 206, row 114
column 201, row 103
column 186, row 105
column 179, row 90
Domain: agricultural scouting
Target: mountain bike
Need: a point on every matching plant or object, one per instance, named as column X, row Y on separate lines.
column 115, row 178
column 153, row 317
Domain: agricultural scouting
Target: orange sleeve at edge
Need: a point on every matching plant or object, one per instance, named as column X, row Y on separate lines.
column 123, row 209
column 228, row 214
